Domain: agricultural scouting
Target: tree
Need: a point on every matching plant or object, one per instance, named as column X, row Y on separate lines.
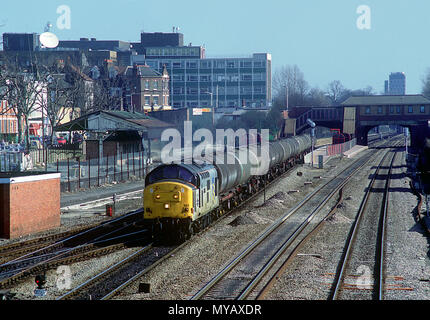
column 290, row 79
column 335, row 91
column 22, row 95
column 426, row 84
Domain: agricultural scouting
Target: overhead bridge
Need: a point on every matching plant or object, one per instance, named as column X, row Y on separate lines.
column 359, row 114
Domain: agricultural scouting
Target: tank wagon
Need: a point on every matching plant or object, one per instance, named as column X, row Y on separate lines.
column 182, row 199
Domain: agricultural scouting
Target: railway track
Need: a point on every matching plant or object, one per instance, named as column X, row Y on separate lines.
column 241, row 277
column 365, row 247
column 91, row 288
column 100, row 240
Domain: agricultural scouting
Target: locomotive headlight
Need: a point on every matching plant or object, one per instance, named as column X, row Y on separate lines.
column 175, row 196
column 166, row 206
column 157, row 196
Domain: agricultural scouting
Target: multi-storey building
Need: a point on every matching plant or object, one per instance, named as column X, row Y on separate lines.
column 196, row 81
column 146, row 89
column 396, row 85
column 8, row 123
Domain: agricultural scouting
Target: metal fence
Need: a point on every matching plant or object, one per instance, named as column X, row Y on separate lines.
column 77, row 172
column 10, row 161
column 334, row 149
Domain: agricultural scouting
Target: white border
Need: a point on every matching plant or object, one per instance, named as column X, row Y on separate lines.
column 13, row 180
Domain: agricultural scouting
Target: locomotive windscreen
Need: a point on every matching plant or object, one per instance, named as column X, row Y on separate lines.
column 170, row 172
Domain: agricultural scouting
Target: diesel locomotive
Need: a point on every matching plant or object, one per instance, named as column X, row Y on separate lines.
column 183, row 198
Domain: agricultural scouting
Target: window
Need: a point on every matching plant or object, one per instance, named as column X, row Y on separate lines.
column 246, row 64
column 231, row 64
column 146, row 84
column 367, row 110
column 171, row 172
column 259, row 90
column 232, row 90
column 258, row 76
column 379, row 110
column 192, row 78
column 205, row 64
column 220, row 64
column 155, row 100
column 178, row 90
column 246, row 90
column 178, row 77
column 233, row 78
column 422, row 109
column 177, row 65
column 246, row 77
column 191, row 64
column 410, row 109
column 205, row 78
column 398, row 110
column 391, row 109
column 147, row 100
column 191, row 90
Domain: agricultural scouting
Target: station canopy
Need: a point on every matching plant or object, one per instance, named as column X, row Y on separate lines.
column 113, row 121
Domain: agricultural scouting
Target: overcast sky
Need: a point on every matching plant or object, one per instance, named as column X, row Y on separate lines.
column 320, row 36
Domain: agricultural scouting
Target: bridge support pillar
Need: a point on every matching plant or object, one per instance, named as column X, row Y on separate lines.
column 361, row 135
column 418, row 135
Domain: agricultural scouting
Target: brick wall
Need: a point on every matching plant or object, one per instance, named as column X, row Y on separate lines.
column 29, row 205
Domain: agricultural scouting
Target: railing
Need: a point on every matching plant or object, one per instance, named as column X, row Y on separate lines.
column 334, row 149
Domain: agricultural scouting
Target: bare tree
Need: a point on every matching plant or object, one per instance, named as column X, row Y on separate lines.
column 426, row 84
column 22, row 95
column 290, row 79
column 335, row 91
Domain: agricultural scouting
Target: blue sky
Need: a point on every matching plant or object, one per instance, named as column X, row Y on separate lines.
column 319, row 36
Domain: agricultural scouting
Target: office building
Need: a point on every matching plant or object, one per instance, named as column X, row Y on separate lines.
column 396, row 84
column 196, row 81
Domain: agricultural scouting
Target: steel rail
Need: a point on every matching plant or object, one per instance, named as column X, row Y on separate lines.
column 350, row 241
column 270, row 230
column 77, row 290
column 381, row 244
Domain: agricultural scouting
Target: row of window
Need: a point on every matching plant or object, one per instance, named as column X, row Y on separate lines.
column 221, row 103
column 207, row 64
column 221, row 90
column 154, row 84
column 219, row 77
column 395, row 109
column 155, row 100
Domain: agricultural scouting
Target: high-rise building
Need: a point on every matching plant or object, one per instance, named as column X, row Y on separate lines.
column 218, row 82
column 197, row 81
column 396, row 84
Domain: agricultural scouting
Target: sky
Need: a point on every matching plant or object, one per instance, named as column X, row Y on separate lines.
column 327, row 39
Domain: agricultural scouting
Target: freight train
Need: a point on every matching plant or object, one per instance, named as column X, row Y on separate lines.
column 181, row 199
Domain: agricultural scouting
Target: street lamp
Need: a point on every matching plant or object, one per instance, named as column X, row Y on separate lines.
column 212, row 107
column 312, row 125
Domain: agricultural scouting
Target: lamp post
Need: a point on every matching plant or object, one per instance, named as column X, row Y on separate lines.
column 312, row 125
column 212, row 107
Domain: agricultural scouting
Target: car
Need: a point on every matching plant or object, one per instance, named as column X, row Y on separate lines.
column 61, row 141
column 35, row 142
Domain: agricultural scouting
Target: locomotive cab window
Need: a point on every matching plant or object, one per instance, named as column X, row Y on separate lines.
column 170, row 172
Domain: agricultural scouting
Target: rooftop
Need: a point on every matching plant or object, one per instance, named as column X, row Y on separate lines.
column 386, row 100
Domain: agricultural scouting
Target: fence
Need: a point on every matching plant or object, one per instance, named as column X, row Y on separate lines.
column 118, row 167
column 334, row 149
column 78, row 172
column 10, row 161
